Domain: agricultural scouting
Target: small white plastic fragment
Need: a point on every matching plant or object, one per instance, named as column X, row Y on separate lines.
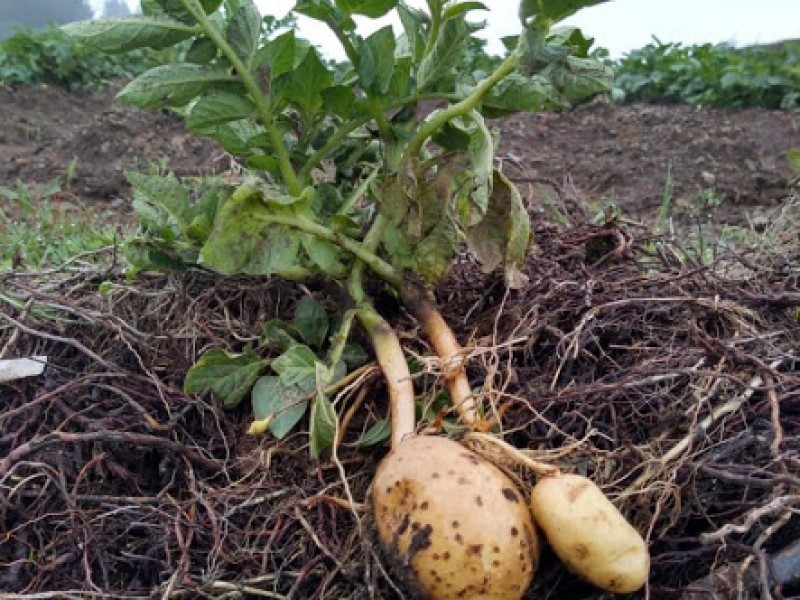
column 12, row 369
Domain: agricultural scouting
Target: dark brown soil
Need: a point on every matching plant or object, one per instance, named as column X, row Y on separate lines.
column 606, row 152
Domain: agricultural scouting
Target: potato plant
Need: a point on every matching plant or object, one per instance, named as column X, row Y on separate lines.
column 344, row 174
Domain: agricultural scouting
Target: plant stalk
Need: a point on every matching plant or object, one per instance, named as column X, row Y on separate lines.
column 293, row 184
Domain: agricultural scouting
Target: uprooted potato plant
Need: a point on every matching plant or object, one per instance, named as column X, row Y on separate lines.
column 607, row 355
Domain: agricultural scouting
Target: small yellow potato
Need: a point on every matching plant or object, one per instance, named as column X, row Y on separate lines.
column 589, row 534
column 459, row 526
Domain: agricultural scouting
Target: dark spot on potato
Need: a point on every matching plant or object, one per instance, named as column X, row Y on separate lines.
column 495, row 563
column 403, row 524
column 581, row 551
column 456, row 524
column 510, row 495
column 435, row 475
column 463, row 481
column 446, row 555
column 451, row 472
column 420, row 540
column 474, row 549
column 435, row 556
column 424, row 505
column 514, row 531
column 478, row 500
column 459, row 538
column 415, row 526
column 577, row 490
column 496, row 549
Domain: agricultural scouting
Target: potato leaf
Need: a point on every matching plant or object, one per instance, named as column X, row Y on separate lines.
column 377, row 60
column 129, row 33
column 242, row 241
column 517, row 93
column 444, row 56
column 303, row 85
column 296, row 368
column 216, row 108
column 503, row 235
column 323, row 425
column 311, row 320
column 173, row 85
column 552, row 10
column 379, row 432
column 369, row 8
column 229, row 376
column 244, row 31
column 284, row 406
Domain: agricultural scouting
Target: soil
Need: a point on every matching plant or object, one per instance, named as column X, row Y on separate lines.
column 623, row 349
column 622, row 154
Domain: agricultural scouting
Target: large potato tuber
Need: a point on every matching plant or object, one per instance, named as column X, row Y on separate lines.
column 589, row 534
column 455, row 520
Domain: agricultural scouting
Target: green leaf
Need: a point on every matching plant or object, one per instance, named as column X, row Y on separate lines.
column 216, row 108
column 379, row 432
column 279, row 334
column 339, row 99
column 297, row 368
column 173, row 85
column 176, row 8
column 503, row 236
column 517, row 93
column 447, row 52
column 229, row 376
column 325, row 255
column 436, row 251
column 152, row 193
column 323, row 425
column 129, row 33
column 286, row 405
column 303, row 85
column 582, row 78
column 243, row 242
column 462, row 8
column 244, row 31
column 552, row 10
column 369, row 8
column 311, row 320
column 414, row 39
column 377, row 60
column 279, row 54
column 201, row 52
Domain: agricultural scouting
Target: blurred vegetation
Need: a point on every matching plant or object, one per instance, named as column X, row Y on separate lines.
column 712, row 75
column 48, row 56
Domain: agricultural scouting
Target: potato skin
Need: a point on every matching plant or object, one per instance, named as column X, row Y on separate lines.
column 589, row 534
column 456, row 521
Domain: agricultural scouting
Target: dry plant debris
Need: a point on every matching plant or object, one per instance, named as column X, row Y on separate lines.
column 674, row 383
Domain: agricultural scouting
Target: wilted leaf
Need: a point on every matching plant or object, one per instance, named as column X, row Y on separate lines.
column 229, row 376
column 503, row 235
column 243, row 242
column 517, row 93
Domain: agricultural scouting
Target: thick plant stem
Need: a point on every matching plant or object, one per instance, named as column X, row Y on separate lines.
column 450, row 353
column 395, row 370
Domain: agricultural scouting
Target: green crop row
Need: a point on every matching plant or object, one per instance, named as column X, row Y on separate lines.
column 711, row 75
column 48, row 56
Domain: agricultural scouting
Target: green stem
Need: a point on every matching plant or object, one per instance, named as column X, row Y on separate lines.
column 437, row 121
column 357, row 249
column 293, row 184
column 333, row 142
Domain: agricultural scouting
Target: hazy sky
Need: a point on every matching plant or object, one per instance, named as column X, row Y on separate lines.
column 619, row 25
